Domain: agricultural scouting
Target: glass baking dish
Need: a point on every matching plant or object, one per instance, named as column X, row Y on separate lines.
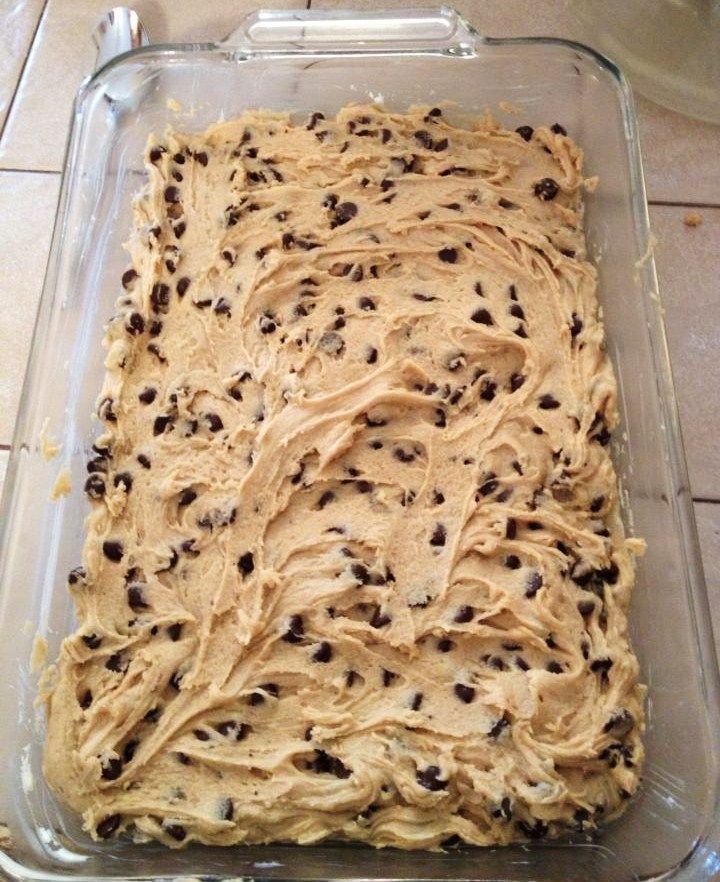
column 305, row 61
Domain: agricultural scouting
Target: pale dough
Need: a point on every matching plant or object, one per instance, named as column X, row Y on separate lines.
column 355, row 567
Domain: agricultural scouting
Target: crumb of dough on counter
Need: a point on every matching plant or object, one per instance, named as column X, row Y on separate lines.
column 62, row 486
column 174, row 105
column 509, row 107
column 48, row 447
column 692, row 219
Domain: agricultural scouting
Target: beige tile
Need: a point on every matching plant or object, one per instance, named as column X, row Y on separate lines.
column 27, row 209
column 708, row 521
column 4, row 455
column 681, row 156
column 63, row 54
column 687, row 261
column 18, row 20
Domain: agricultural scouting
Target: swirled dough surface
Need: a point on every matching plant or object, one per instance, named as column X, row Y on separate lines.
column 354, row 567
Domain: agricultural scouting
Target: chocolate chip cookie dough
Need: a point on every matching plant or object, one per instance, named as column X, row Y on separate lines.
column 354, row 566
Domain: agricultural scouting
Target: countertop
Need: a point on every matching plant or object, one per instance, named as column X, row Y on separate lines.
column 46, row 50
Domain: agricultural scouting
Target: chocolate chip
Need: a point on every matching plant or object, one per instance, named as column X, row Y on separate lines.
column 222, row 307
column 429, row 778
column 156, row 153
column 490, row 486
column 465, row 693
column 227, row 809
column 361, row 573
column 172, row 194
column 511, row 528
column 115, row 663
column 129, row 750
column 345, row 212
column 160, row 424
column 124, row 478
column 324, row 763
column 609, row 574
column 76, row 576
column 174, row 631
column 445, row 645
column 586, row 608
column 554, row 667
column 597, row 504
column 111, row 769
column 525, row 132
column 372, row 355
column 187, row 496
column 113, row 550
column 403, row 455
column 441, row 145
column 576, row 325
column 464, row 614
column 246, row 563
column 538, row 830
column 482, row 317
column 95, row 486
column 215, row 424
column 182, row 285
column 558, row 129
column 417, row 701
column 546, row 189
column 619, row 724
column 325, row 498
column 202, row 158
column 176, row 831
column 534, row 584
column 488, row 388
column 323, row 653
column 547, row 402
column 136, row 598
column 439, row 536
column 295, row 631
column 388, row 677
column 92, row 641
column 498, row 727
column 367, row 304
column 601, row 665
column 153, row 715
column 160, row 297
column 448, row 255
column 379, row 619
column 110, row 824
column 175, row 681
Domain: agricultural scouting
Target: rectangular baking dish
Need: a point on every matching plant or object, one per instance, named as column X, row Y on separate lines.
column 305, row 61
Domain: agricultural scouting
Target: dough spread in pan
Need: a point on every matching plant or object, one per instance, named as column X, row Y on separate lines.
column 354, row 567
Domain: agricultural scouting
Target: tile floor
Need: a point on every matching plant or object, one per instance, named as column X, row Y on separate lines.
column 45, row 51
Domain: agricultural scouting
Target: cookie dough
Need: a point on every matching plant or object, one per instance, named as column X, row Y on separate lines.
column 354, row 566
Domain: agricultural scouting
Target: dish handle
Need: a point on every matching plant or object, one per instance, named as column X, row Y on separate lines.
column 324, row 31
column 118, row 31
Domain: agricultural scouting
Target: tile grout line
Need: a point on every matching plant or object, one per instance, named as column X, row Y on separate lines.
column 30, row 171
column 11, row 104
column 669, row 203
